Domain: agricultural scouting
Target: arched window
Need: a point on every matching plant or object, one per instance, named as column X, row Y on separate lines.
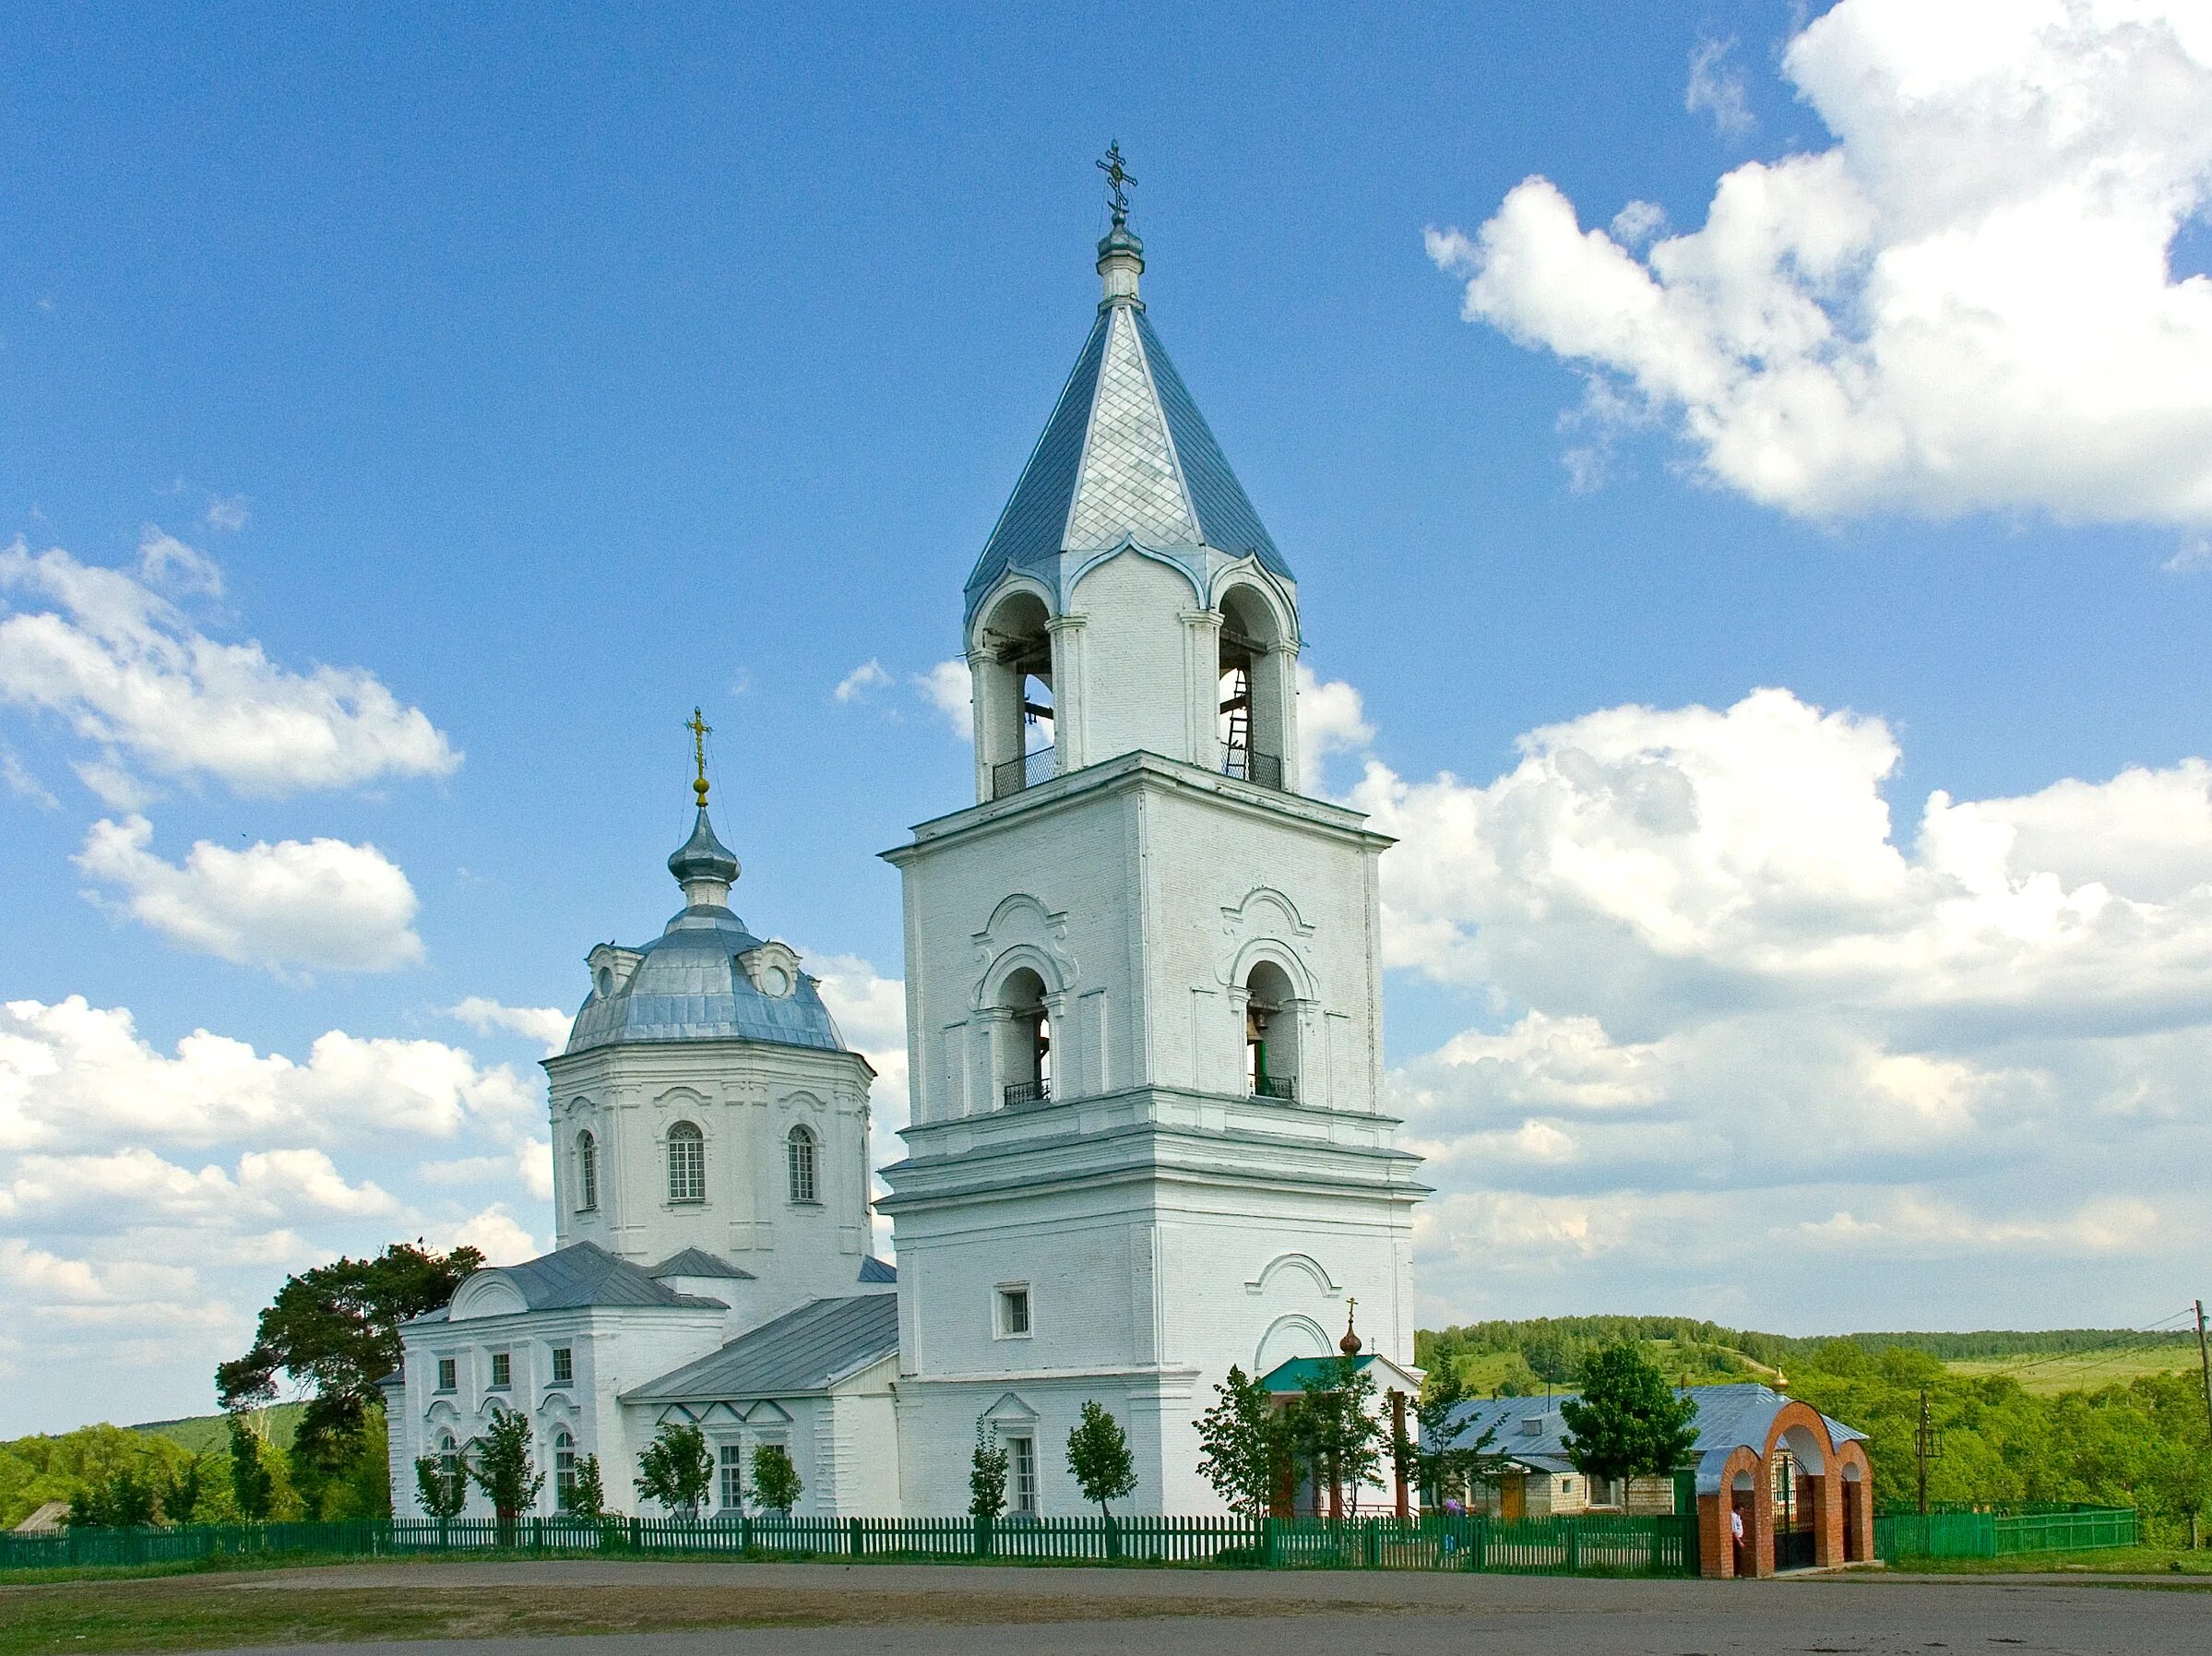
column 564, row 1471
column 1014, row 728
column 799, row 1153
column 1256, row 689
column 1270, row 1033
column 587, row 1173
column 686, row 1162
column 449, row 1465
column 1028, row 1057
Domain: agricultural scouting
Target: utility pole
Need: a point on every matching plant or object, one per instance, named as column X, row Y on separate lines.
column 2204, row 1358
column 1924, row 1449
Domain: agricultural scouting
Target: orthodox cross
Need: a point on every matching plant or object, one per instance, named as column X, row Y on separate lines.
column 700, row 730
column 1116, row 177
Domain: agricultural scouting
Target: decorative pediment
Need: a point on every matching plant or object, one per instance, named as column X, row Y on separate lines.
column 1022, row 931
column 486, row 1293
column 773, row 968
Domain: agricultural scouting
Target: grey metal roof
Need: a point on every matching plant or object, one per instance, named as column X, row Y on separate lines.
column 688, row 986
column 1728, row 1417
column 875, row 1270
column 703, row 856
column 698, row 1262
column 1127, row 456
column 583, row 1274
column 804, row 1350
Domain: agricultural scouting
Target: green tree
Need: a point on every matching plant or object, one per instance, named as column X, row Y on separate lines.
column 1244, row 1449
column 183, row 1489
column 1334, row 1427
column 505, row 1468
column 125, row 1499
column 986, row 1473
column 1628, row 1422
column 775, row 1484
column 590, row 1497
column 440, row 1490
column 1098, row 1455
column 335, row 1330
column 676, row 1468
column 253, row 1484
column 1445, row 1461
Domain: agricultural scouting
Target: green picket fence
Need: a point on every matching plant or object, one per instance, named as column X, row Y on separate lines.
column 1595, row 1544
column 2001, row 1533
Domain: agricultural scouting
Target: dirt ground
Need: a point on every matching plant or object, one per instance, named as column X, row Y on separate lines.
column 588, row 1608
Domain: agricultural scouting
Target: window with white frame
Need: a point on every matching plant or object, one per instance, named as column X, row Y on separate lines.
column 799, row 1153
column 564, row 1471
column 731, row 1465
column 686, row 1162
column 503, row 1371
column 448, row 1375
column 587, row 1173
column 563, row 1367
column 450, row 1464
column 1013, row 1316
column 1021, row 1474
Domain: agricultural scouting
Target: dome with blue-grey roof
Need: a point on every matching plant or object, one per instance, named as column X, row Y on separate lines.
column 706, row 977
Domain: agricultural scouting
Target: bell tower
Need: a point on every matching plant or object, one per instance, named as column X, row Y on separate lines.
column 1142, row 983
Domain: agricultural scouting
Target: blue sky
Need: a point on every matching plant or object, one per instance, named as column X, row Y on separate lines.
column 561, row 368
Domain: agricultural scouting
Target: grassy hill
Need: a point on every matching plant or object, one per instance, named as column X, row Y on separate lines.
column 1533, row 1355
column 207, row 1433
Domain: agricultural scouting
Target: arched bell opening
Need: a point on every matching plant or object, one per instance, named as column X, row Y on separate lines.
column 1256, row 689
column 1026, row 1038
column 1013, row 658
column 1270, row 1033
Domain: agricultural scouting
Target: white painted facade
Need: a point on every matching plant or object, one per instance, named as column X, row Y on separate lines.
column 1143, row 979
column 1139, row 905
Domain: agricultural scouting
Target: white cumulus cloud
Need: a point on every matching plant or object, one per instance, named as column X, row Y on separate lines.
column 314, row 905
column 547, row 1025
column 1747, row 1031
column 869, row 675
column 1967, row 302
column 949, row 689
column 111, row 653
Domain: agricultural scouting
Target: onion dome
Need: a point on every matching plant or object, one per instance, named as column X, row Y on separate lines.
column 1351, row 1345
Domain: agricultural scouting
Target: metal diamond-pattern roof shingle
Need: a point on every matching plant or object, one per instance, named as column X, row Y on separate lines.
column 803, row 1351
column 1125, row 456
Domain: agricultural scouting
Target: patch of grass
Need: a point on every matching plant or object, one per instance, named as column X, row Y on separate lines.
column 2096, row 1561
column 2086, row 1371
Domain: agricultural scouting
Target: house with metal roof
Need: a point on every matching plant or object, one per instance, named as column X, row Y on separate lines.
column 1799, row 1482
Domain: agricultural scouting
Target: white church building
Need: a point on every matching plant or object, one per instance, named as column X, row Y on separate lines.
column 1144, row 1027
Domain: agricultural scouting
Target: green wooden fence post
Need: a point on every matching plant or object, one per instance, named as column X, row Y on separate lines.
column 853, row 1530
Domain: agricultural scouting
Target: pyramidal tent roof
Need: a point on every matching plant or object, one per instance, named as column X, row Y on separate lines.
column 1127, row 456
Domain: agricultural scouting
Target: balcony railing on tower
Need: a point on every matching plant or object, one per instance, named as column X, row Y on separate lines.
column 1029, row 1093
column 1248, row 764
column 1281, row 1087
column 1011, row 775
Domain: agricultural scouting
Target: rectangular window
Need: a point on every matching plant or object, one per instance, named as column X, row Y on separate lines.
column 503, row 1371
column 732, row 1465
column 1014, row 1311
column 448, row 1377
column 563, row 1367
column 1021, row 1474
